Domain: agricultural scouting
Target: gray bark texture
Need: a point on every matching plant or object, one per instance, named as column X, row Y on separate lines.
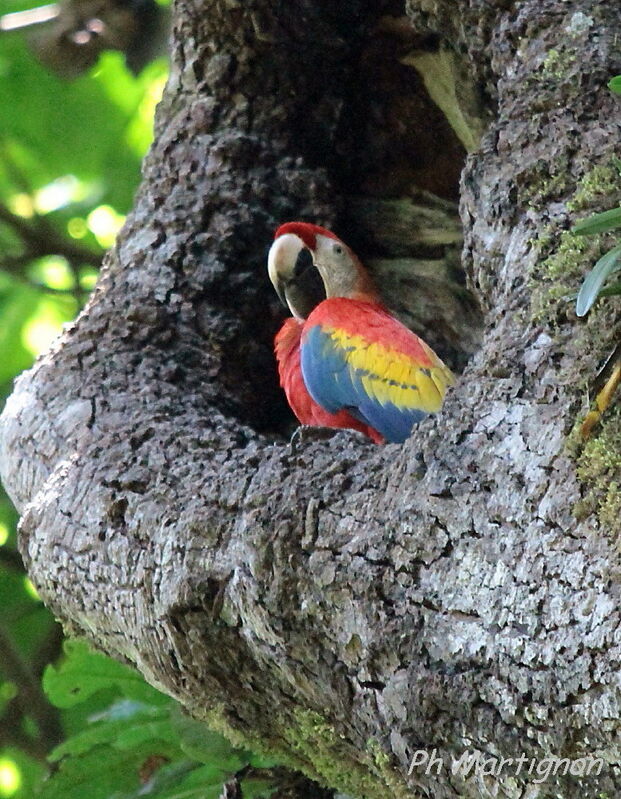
column 339, row 604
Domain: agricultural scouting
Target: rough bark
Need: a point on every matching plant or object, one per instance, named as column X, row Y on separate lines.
column 340, row 604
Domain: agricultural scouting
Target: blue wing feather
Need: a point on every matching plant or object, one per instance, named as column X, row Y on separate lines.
column 393, row 423
column 335, row 384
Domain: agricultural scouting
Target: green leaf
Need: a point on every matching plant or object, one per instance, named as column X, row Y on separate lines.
column 99, row 774
column 615, row 84
column 263, row 761
column 181, row 780
column 166, row 777
column 91, row 113
column 202, row 744
column 257, row 789
column 598, row 223
column 125, row 710
column 204, row 782
column 607, row 265
column 84, row 672
column 29, row 773
column 149, row 730
column 611, row 291
column 16, row 305
column 109, row 729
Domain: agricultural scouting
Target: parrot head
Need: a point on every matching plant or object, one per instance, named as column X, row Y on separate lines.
column 292, row 270
column 307, row 263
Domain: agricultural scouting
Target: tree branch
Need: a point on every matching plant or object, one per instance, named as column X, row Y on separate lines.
column 11, row 559
column 12, row 735
column 30, row 697
column 41, row 238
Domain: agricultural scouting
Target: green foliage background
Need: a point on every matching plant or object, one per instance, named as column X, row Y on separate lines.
column 70, row 155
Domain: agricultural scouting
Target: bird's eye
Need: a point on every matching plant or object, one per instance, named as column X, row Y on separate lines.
column 338, row 250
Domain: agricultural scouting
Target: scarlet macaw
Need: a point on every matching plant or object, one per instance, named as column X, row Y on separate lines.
column 344, row 360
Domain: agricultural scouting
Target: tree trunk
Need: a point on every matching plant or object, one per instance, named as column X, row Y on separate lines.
column 339, row 604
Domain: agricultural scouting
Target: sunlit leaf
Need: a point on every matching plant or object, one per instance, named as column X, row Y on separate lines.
column 31, row 590
column 4, row 534
column 98, row 774
column 83, row 672
column 107, row 731
column 46, row 321
column 607, row 265
column 10, row 777
column 88, row 278
column 75, row 127
column 77, row 227
column 105, row 223
column 615, row 84
column 60, row 192
column 29, row 771
column 21, row 204
column 53, row 272
column 140, row 130
column 16, row 304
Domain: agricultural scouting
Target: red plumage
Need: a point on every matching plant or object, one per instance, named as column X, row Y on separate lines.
column 287, row 348
column 305, row 231
column 375, row 323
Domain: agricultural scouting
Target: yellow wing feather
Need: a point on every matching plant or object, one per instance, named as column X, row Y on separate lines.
column 392, row 377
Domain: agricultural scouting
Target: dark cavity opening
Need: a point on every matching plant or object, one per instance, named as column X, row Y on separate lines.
column 394, row 164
